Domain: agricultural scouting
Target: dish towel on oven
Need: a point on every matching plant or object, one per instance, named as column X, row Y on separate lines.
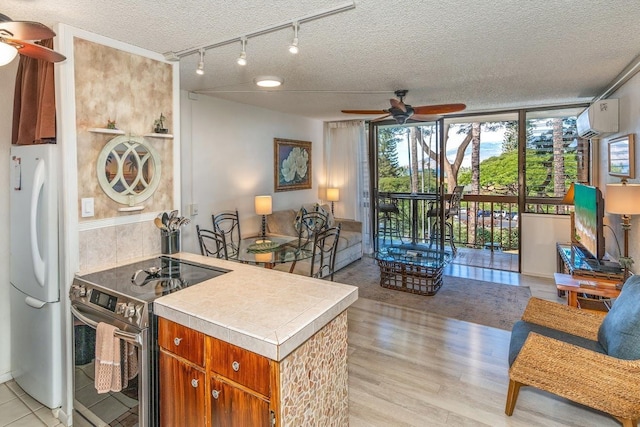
column 108, row 371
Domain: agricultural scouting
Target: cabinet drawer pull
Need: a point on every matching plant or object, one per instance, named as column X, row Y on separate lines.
column 236, row 366
column 215, row 393
column 194, row 383
column 176, row 341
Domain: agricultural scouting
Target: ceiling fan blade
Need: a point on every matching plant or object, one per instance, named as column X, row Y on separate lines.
column 439, row 109
column 425, row 117
column 379, row 119
column 364, row 111
column 24, row 30
column 398, row 104
column 36, row 51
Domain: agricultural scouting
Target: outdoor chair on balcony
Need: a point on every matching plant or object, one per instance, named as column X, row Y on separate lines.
column 583, row 356
column 389, row 219
column 451, row 209
column 228, row 223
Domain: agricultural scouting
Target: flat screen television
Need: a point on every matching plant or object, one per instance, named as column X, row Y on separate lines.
column 589, row 214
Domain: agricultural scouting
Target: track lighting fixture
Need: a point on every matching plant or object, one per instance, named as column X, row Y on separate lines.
column 293, row 47
column 242, row 59
column 200, row 69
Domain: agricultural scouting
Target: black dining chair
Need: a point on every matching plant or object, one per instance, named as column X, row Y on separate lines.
column 325, row 246
column 212, row 243
column 228, row 223
column 309, row 223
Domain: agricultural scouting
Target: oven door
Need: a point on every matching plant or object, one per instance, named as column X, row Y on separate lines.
column 127, row 407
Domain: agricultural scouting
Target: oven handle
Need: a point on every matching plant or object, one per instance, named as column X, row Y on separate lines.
column 127, row 336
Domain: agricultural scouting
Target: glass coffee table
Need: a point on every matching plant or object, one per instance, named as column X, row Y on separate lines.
column 412, row 268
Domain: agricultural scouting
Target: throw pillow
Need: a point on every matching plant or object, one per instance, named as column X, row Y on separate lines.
column 326, row 210
column 619, row 332
column 297, row 223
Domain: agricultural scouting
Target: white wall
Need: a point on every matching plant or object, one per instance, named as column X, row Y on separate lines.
column 7, row 82
column 629, row 96
column 227, row 159
column 540, row 233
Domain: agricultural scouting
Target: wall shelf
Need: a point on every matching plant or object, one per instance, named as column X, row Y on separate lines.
column 159, row 135
column 131, row 209
column 107, row 131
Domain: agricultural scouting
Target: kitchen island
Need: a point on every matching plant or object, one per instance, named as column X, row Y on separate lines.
column 254, row 347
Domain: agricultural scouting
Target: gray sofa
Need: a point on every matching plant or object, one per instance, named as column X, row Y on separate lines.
column 349, row 245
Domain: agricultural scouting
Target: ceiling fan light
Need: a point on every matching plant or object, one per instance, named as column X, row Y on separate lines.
column 7, row 53
column 268, row 81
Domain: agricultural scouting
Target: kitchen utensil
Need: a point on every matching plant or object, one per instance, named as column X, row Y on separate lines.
column 158, row 223
column 165, row 220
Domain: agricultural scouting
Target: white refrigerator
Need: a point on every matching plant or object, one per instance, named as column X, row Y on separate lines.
column 36, row 321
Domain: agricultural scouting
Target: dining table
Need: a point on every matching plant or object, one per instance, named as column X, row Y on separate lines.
column 273, row 250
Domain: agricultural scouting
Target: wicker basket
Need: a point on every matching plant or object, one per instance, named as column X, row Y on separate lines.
column 413, row 278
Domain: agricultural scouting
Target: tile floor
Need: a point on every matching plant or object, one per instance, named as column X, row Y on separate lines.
column 18, row 409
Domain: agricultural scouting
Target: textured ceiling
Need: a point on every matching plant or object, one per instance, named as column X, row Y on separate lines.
column 489, row 54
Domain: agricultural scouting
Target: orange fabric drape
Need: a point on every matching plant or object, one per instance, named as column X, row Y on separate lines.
column 34, row 102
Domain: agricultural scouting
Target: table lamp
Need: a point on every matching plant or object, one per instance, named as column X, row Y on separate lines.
column 568, row 200
column 264, row 208
column 333, row 195
column 622, row 199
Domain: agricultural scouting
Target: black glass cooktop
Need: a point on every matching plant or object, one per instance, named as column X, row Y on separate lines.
column 153, row 278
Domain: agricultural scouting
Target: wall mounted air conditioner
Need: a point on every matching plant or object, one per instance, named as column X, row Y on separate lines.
column 600, row 119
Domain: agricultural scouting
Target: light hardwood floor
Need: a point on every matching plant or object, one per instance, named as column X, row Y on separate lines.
column 409, row 368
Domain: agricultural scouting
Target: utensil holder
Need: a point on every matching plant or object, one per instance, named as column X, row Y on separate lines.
column 170, row 242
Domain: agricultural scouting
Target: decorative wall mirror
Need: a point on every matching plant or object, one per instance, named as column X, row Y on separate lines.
column 128, row 169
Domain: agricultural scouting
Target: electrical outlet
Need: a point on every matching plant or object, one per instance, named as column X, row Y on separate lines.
column 193, row 209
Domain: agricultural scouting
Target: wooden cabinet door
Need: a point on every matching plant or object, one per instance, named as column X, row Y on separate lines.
column 233, row 407
column 182, row 393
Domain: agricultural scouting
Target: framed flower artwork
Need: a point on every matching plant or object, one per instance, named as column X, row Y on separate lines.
column 291, row 164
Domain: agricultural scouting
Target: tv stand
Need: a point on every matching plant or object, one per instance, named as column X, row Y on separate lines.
column 572, row 260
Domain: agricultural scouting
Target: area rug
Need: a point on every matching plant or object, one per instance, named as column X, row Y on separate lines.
column 491, row 304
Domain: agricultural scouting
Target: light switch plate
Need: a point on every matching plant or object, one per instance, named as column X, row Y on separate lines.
column 193, row 209
column 87, row 207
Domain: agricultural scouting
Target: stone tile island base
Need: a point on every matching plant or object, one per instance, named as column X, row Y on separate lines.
column 313, row 379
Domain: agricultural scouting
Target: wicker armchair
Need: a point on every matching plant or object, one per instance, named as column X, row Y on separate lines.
column 583, row 373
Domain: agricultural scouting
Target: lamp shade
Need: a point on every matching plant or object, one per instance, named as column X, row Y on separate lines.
column 333, row 194
column 568, row 198
column 622, row 199
column 263, row 205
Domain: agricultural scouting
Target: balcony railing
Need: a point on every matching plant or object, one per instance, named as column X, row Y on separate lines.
column 482, row 222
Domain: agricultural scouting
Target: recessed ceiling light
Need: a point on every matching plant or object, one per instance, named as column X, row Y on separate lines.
column 268, row 81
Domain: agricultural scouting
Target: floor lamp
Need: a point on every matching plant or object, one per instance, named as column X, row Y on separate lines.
column 622, row 199
column 263, row 207
column 333, row 195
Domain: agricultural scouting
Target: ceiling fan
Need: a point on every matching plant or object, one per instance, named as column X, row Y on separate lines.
column 12, row 40
column 402, row 112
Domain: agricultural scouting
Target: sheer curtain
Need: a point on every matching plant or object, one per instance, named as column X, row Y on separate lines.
column 347, row 168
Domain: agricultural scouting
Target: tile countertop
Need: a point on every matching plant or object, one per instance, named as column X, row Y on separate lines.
column 264, row 311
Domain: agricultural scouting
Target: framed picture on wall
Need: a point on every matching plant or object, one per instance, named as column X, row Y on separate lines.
column 291, row 165
column 622, row 157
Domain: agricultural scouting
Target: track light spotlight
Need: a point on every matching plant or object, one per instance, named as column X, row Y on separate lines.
column 200, row 69
column 242, row 59
column 293, row 47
